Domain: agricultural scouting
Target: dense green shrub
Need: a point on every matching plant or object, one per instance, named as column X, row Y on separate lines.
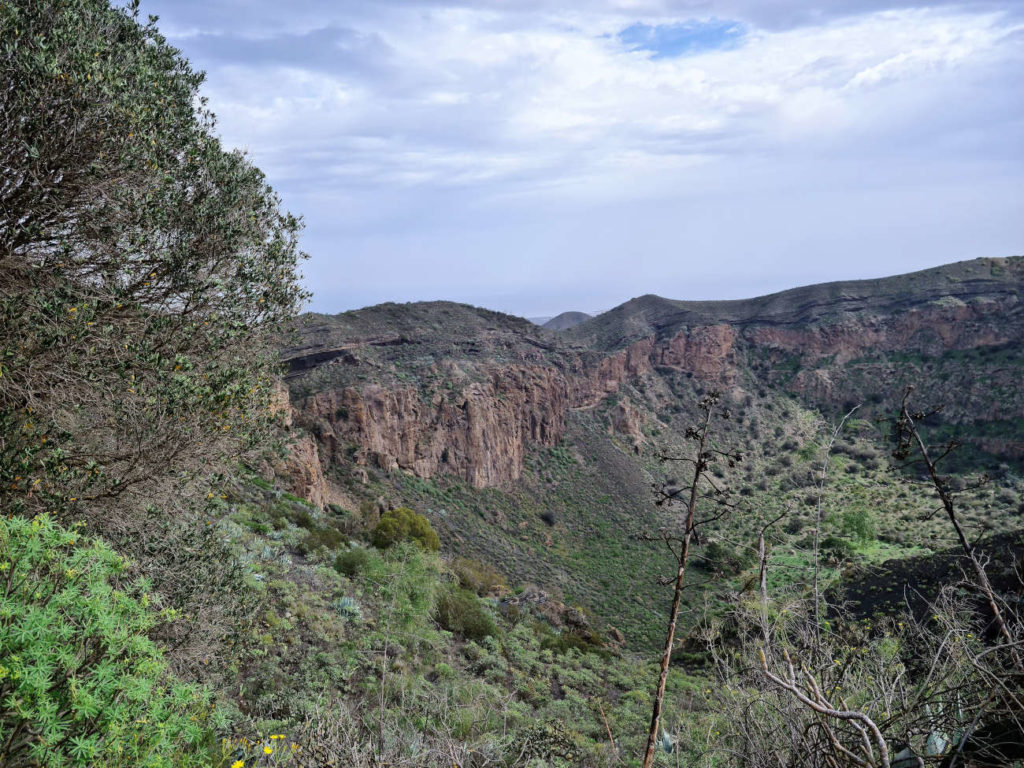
column 351, row 562
column 720, row 558
column 837, row 548
column 80, row 682
column 859, row 525
column 401, row 524
column 583, row 640
column 460, row 611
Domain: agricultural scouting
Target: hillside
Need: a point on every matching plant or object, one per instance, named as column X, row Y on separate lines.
column 976, row 282
column 536, row 451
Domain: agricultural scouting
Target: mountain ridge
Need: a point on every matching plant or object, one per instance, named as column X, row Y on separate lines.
column 1003, row 276
column 434, row 387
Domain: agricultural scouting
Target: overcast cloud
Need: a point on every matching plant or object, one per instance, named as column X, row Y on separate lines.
column 536, row 157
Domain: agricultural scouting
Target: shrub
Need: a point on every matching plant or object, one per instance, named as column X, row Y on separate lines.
column 82, row 684
column 859, row 525
column 326, row 538
column 460, row 611
column 351, row 562
column 403, row 524
column 837, row 548
column 720, row 558
column 583, row 640
column 475, row 576
column 299, row 515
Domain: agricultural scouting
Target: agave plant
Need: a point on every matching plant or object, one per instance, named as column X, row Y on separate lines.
column 348, row 608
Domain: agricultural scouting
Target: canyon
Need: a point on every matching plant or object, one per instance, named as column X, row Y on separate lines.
column 443, row 389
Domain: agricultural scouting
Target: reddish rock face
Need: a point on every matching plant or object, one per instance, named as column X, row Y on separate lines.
column 481, row 430
column 705, row 351
column 628, row 420
column 303, row 467
column 478, row 432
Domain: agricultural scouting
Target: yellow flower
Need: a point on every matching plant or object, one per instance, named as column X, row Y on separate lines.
column 268, row 750
column 238, row 764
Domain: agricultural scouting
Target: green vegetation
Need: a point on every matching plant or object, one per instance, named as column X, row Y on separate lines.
column 403, row 524
column 141, row 261
column 81, row 684
column 460, row 611
column 350, row 562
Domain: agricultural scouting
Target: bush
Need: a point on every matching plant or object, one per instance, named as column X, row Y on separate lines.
column 837, row 548
column 858, row 525
column 475, row 576
column 82, row 684
column 719, row 558
column 459, row 611
column 403, row 524
column 325, row 538
column 583, row 640
column 351, row 562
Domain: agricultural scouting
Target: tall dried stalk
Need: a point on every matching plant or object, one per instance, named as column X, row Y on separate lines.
column 909, row 441
column 679, row 543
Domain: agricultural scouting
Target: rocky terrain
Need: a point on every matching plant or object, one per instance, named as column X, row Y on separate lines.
column 535, row 449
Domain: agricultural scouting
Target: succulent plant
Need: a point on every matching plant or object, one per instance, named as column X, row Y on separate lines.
column 348, row 608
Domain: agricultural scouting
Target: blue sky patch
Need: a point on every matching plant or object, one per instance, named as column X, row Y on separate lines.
column 666, row 41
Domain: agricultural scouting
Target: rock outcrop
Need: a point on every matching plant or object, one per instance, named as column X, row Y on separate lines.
column 932, row 329
column 302, row 468
column 479, row 431
column 628, row 420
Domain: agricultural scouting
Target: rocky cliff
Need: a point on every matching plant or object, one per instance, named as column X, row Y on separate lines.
column 439, row 388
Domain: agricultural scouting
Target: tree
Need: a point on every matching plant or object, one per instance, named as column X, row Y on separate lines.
column 145, row 272
column 143, row 268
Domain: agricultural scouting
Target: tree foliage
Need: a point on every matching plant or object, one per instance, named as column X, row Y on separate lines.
column 144, row 273
column 142, row 266
column 80, row 682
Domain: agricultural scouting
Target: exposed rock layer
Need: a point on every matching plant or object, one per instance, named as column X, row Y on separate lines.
column 440, row 388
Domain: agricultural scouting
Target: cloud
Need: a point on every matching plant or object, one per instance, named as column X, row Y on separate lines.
column 487, row 150
column 327, row 49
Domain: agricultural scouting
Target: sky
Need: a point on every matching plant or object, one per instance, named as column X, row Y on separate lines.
column 535, row 157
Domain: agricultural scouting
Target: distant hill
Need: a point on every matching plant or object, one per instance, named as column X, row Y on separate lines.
column 566, row 320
